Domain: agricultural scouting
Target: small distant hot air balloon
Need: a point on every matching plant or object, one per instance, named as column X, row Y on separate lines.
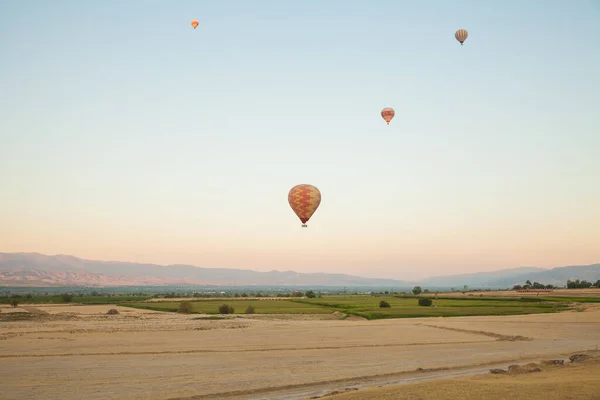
column 304, row 200
column 461, row 35
column 195, row 24
column 387, row 114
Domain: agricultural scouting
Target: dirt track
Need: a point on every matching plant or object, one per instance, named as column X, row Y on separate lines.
column 79, row 352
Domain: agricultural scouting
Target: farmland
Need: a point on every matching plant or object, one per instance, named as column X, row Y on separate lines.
column 261, row 306
column 320, row 344
column 367, row 306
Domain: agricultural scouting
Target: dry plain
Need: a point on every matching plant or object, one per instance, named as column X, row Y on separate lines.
column 79, row 352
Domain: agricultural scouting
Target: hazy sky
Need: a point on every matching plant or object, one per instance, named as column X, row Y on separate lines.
column 127, row 135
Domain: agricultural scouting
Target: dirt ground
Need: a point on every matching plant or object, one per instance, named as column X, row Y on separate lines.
column 75, row 352
column 579, row 380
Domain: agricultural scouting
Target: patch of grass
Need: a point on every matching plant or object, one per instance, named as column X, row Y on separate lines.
column 571, row 299
column 368, row 307
column 56, row 299
column 239, row 306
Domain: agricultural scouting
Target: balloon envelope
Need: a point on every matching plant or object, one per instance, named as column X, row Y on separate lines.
column 195, row 24
column 387, row 114
column 461, row 35
column 304, row 200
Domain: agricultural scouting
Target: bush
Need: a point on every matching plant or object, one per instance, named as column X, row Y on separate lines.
column 225, row 309
column 66, row 297
column 112, row 311
column 250, row 310
column 425, row 301
column 14, row 302
column 310, row 294
column 185, row 307
column 384, row 304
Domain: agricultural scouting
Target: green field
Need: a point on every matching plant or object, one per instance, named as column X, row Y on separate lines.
column 561, row 299
column 367, row 307
column 260, row 306
column 57, row 299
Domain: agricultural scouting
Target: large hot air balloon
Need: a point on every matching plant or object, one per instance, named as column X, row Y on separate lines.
column 387, row 114
column 304, row 200
column 195, row 24
column 461, row 35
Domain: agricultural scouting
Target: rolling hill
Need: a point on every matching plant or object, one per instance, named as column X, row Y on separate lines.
column 34, row 269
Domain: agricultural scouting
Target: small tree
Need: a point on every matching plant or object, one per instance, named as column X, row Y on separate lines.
column 310, row 294
column 416, row 290
column 250, row 310
column 66, row 297
column 425, row 301
column 14, row 302
column 225, row 309
column 185, row 307
column 384, row 304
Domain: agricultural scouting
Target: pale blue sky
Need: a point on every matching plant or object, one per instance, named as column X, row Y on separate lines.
column 127, row 135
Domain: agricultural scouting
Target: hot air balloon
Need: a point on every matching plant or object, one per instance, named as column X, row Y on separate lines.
column 304, row 200
column 461, row 35
column 387, row 114
column 195, row 24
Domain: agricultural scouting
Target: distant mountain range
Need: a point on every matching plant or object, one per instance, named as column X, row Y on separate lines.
column 502, row 278
column 34, row 269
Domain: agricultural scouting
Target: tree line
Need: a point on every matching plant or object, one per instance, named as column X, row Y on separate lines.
column 576, row 284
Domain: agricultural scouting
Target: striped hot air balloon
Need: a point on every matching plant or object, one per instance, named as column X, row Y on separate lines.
column 461, row 35
column 304, row 200
column 195, row 24
column 387, row 114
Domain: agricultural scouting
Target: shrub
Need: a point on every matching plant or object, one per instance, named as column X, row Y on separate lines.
column 310, row 294
column 185, row 307
column 250, row 310
column 66, row 297
column 384, row 304
column 225, row 309
column 112, row 311
column 14, row 302
column 425, row 301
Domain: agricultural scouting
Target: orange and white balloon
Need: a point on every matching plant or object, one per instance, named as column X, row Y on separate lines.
column 387, row 114
column 195, row 24
column 461, row 35
column 304, row 200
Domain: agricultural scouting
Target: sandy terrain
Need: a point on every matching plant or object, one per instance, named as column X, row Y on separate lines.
column 577, row 380
column 75, row 352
